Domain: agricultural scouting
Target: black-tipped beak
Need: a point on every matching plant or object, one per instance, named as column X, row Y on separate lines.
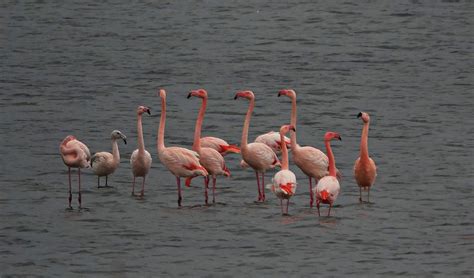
column 279, row 94
column 236, row 97
column 340, row 138
column 359, row 115
column 190, row 95
column 148, row 111
column 293, row 128
column 125, row 141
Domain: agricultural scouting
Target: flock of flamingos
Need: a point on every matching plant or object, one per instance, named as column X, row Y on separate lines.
column 207, row 157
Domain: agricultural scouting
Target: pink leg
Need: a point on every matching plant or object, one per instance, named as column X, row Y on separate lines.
column 258, row 187
column 368, row 195
column 70, row 189
column 178, row 182
column 263, row 187
column 287, row 204
column 79, row 198
column 329, row 212
column 281, row 206
column 213, row 190
column 360, row 194
column 206, row 185
column 142, row 193
column 311, row 199
column 133, row 186
column 317, row 205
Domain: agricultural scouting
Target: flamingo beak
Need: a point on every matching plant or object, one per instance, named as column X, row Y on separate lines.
column 125, row 141
column 359, row 115
column 236, row 96
column 190, row 95
column 279, row 94
column 293, row 128
column 148, row 111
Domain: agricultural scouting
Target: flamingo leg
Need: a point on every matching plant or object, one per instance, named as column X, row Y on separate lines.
column 98, row 181
column 79, row 197
column 143, row 187
column 263, row 187
column 258, row 187
column 106, row 183
column 281, row 206
column 360, row 194
column 133, row 186
column 70, row 190
column 329, row 211
column 317, row 205
column 206, row 185
column 311, row 200
column 213, row 189
column 368, row 195
column 287, row 204
column 178, row 182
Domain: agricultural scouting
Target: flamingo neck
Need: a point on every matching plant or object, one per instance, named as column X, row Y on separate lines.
column 364, row 144
column 161, row 130
column 198, row 127
column 332, row 162
column 245, row 131
column 115, row 151
column 141, row 143
column 293, row 121
column 284, row 152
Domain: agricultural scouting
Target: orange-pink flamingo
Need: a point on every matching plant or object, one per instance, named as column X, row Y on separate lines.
column 210, row 158
column 284, row 181
column 272, row 139
column 105, row 163
column 219, row 145
column 75, row 154
column 141, row 158
column 257, row 155
column 180, row 162
column 313, row 162
column 365, row 170
column 328, row 187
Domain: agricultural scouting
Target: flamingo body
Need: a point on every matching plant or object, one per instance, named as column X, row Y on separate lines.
column 272, row 139
column 219, row 145
column 141, row 163
column 313, row 162
column 260, row 157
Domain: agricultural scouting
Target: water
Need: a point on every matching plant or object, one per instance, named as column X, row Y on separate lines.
column 83, row 68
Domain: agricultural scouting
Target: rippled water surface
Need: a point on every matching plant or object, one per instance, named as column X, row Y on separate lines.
column 83, row 67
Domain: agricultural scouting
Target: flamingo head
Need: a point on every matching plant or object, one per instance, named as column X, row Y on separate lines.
column 364, row 116
column 201, row 93
column 142, row 109
column 245, row 94
column 332, row 135
column 286, row 128
column 287, row 92
column 117, row 134
column 68, row 139
column 162, row 93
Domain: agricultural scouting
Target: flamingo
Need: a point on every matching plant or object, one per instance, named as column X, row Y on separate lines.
column 272, row 139
column 257, row 155
column 105, row 163
column 284, row 181
column 328, row 187
column 141, row 158
column 210, row 158
column 219, row 145
column 75, row 154
column 180, row 162
column 365, row 170
column 313, row 162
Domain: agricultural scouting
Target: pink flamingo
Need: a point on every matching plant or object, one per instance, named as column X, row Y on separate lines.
column 272, row 139
column 75, row 154
column 219, row 145
column 284, row 181
column 105, row 163
column 257, row 155
column 328, row 187
column 141, row 158
column 365, row 170
column 180, row 162
column 210, row 158
column 313, row 162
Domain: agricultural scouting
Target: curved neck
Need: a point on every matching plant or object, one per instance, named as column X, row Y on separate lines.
column 332, row 162
column 245, row 131
column 364, row 144
column 66, row 154
column 284, row 152
column 161, row 130
column 197, row 128
column 141, row 143
column 115, row 150
column 293, row 121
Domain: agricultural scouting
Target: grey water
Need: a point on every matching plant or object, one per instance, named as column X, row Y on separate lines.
column 82, row 68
